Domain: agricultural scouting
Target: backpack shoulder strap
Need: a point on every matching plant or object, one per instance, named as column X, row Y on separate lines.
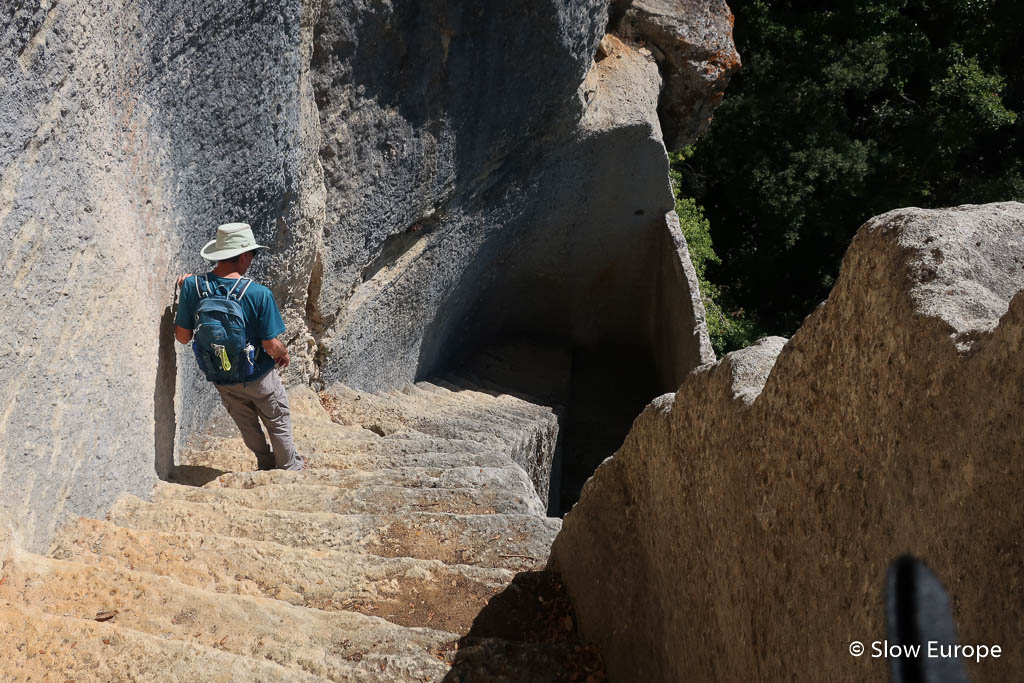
column 204, row 290
column 245, row 289
column 238, row 289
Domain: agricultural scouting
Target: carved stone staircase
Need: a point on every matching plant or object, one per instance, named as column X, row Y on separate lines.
column 412, row 548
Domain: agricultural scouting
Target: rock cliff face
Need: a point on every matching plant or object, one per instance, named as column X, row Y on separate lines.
column 128, row 132
column 429, row 176
column 745, row 526
column 488, row 202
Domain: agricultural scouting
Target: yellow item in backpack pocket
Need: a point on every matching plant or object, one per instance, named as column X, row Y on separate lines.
column 222, row 354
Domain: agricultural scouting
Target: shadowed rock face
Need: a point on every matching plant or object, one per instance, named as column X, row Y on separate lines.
column 408, row 163
column 436, row 119
column 467, row 204
column 745, row 526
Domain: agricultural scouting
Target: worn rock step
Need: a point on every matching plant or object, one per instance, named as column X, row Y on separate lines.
column 515, row 542
column 479, row 416
column 528, row 438
column 516, row 424
column 405, row 591
column 44, row 647
column 512, row 413
column 384, row 454
column 368, row 499
column 223, row 434
column 510, row 478
column 341, row 646
column 393, row 455
column 473, row 381
column 406, row 441
column 470, row 394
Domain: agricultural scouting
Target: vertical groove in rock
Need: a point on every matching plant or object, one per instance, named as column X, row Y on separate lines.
column 313, row 202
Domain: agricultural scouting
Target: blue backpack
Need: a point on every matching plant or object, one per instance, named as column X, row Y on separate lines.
column 224, row 354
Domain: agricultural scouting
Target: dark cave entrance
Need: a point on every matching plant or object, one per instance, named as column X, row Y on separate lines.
column 583, row 298
column 593, row 339
column 597, row 390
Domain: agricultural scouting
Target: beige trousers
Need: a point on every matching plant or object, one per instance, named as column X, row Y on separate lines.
column 263, row 400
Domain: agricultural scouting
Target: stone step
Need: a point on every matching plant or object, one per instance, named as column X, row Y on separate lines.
column 470, row 380
column 368, row 499
column 510, row 478
column 340, row 646
column 479, row 403
column 43, row 647
column 515, row 542
column 472, row 393
column 408, row 440
column 479, row 417
column 224, row 433
column 529, row 440
column 405, row 591
column 383, row 454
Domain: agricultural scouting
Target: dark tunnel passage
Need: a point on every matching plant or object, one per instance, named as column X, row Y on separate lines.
column 597, row 391
column 585, row 301
column 596, row 334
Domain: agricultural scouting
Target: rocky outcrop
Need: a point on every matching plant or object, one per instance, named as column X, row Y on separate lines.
column 692, row 43
column 745, row 527
column 428, row 175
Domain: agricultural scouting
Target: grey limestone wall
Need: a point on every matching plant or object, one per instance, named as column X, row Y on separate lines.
column 128, row 132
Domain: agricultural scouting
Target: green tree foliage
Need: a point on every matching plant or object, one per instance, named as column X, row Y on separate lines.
column 728, row 330
column 843, row 111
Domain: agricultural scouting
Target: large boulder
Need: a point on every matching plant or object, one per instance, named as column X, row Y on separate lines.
column 743, row 530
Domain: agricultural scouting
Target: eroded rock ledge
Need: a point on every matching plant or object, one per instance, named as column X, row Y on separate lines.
column 692, row 43
column 744, row 529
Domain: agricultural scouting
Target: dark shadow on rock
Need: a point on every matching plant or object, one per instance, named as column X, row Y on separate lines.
column 164, row 421
column 616, row 11
column 194, row 475
column 526, row 633
column 595, row 390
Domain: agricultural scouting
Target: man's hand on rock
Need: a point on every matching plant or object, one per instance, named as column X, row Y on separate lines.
column 277, row 351
column 182, row 279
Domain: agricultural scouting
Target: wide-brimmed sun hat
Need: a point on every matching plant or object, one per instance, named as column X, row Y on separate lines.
column 232, row 239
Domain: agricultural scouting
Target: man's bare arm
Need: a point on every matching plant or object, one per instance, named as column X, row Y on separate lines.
column 277, row 351
column 180, row 333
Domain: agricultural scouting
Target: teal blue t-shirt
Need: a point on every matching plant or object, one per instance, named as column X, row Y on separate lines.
column 262, row 318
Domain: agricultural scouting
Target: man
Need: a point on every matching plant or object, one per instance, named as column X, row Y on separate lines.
column 260, row 396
